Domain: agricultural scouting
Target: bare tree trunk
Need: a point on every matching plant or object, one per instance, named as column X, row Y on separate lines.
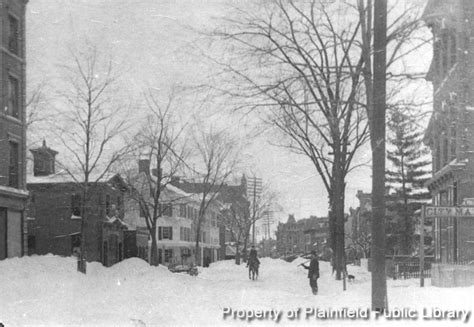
column 237, row 254
column 379, row 282
column 197, row 254
column 81, row 263
column 338, row 217
column 154, row 246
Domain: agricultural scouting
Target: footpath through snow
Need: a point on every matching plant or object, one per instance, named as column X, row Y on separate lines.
column 47, row 290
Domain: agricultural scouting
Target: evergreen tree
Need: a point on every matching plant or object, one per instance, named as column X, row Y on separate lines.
column 409, row 169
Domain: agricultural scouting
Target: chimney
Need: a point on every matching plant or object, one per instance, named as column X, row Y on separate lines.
column 144, row 166
column 43, row 160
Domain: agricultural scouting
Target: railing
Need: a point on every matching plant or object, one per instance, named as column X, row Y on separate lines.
column 406, row 270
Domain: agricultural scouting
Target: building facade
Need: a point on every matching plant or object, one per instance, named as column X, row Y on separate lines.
column 13, row 194
column 302, row 236
column 56, row 209
column 176, row 226
column 450, row 133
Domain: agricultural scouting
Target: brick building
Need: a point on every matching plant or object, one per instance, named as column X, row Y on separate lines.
column 13, row 194
column 55, row 212
column 450, row 133
column 302, row 236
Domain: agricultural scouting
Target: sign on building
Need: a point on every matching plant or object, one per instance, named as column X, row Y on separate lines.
column 444, row 212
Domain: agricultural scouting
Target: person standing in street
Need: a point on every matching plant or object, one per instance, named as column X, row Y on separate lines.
column 313, row 272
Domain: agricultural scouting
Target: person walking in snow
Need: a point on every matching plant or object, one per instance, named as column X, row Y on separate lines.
column 313, row 272
column 253, row 263
column 253, row 257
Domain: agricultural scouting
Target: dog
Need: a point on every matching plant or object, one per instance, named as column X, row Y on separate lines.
column 351, row 278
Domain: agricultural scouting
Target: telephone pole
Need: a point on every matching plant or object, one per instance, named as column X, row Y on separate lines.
column 254, row 192
column 379, row 281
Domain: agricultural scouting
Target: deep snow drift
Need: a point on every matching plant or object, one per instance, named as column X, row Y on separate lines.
column 47, row 290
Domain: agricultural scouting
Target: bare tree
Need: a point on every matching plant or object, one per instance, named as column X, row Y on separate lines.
column 216, row 160
column 304, row 69
column 260, row 205
column 240, row 215
column 90, row 124
column 361, row 237
column 36, row 111
column 235, row 218
column 309, row 88
column 160, row 141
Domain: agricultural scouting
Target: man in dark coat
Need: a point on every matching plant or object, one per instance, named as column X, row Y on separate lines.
column 253, row 257
column 313, row 272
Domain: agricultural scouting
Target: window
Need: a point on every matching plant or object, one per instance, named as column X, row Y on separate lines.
column 119, row 205
column 13, row 97
column 168, row 255
column 166, row 209
column 165, row 233
column 453, row 142
column 453, row 48
column 185, row 234
column 182, row 210
column 107, row 205
column 142, row 211
column 445, row 159
column 76, row 203
column 13, row 180
column 185, row 252
column 13, row 35
column 444, row 54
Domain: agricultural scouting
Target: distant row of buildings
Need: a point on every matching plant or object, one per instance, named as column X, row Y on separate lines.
column 302, row 236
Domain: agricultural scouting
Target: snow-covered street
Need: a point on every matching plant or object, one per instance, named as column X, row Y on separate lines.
column 47, row 290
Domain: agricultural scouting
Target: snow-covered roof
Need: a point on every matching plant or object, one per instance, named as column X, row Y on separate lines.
column 65, row 177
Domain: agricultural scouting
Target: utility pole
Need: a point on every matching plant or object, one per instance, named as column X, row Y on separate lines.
column 254, row 193
column 379, row 281
column 267, row 221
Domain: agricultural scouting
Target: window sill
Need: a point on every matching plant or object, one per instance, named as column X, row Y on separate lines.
column 11, row 118
column 16, row 56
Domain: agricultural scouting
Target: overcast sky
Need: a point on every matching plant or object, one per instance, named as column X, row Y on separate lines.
column 150, row 41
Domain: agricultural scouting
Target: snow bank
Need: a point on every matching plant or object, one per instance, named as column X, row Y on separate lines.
column 48, row 290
